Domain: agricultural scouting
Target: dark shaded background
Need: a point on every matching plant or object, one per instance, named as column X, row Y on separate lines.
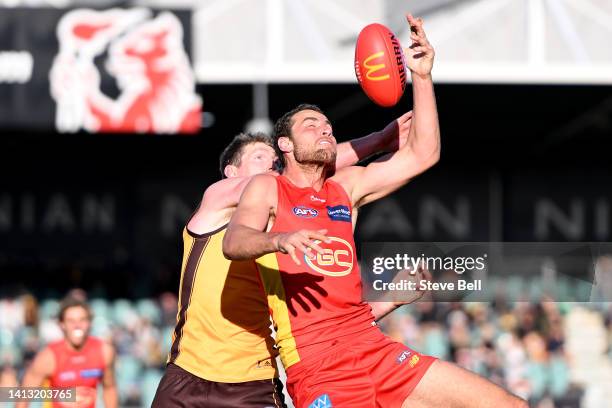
column 509, row 152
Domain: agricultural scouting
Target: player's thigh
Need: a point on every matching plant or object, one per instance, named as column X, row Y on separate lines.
column 448, row 385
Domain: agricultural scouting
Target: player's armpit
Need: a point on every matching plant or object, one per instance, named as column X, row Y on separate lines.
column 245, row 237
column 387, row 174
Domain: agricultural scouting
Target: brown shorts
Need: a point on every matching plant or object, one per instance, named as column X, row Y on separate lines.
column 180, row 388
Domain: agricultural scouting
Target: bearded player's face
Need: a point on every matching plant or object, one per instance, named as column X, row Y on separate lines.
column 313, row 140
column 256, row 158
column 75, row 325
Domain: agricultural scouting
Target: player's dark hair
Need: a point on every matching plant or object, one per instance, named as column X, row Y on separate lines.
column 282, row 127
column 233, row 151
column 69, row 302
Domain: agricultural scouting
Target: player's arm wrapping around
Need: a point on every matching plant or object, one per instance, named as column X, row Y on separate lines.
column 39, row 370
column 422, row 149
column 109, row 388
column 389, row 139
column 217, row 202
column 245, row 237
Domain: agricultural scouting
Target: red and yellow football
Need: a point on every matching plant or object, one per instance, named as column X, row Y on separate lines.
column 379, row 65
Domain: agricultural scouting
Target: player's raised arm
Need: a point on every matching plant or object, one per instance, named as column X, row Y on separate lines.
column 422, row 149
column 40, row 369
column 391, row 138
column 246, row 237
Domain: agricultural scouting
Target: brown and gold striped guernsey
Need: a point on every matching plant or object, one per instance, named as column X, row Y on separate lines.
column 223, row 324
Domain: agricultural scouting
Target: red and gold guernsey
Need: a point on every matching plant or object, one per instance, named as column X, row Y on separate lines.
column 82, row 369
column 318, row 302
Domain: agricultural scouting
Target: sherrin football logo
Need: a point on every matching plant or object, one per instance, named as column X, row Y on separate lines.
column 336, row 260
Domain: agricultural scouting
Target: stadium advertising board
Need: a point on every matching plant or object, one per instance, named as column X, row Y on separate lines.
column 100, row 71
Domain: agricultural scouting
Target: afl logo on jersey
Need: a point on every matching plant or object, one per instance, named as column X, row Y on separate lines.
column 305, row 212
column 336, row 260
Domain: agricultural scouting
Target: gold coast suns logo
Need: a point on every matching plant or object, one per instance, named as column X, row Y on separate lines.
column 336, row 259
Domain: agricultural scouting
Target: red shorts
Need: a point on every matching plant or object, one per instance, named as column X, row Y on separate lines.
column 370, row 370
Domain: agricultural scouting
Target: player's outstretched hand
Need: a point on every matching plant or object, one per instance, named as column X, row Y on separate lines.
column 420, row 55
column 303, row 240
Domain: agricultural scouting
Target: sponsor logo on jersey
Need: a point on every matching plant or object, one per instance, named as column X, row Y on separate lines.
column 339, row 213
column 91, row 373
column 67, row 376
column 322, row 401
column 315, row 198
column 336, row 260
column 402, row 357
column 267, row 363
column 305, row 212
column 146, row 57
column 80, row 359
column 414, row 360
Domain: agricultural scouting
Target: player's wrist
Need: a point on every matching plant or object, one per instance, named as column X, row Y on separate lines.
column 276, row 242
column 421, row 77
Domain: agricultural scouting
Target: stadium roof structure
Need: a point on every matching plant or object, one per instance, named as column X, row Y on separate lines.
column 476, row 41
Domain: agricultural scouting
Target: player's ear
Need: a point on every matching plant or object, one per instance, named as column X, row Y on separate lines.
column 230, row 171
column 285, row 144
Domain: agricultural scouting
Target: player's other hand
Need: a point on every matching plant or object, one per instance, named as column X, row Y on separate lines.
column 420, row 54
column 303, row 240
column 421, row 273
column 395, row 134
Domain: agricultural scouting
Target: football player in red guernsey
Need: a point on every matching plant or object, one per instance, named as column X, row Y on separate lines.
column 299, row 228
column 78, row 360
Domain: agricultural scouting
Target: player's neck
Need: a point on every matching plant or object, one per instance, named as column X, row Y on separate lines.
column 73, row 347
column 305, row 175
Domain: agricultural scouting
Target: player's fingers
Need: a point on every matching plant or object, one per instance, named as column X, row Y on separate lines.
column 411, row 21
column 419, row 50
column 306, row 250
column 418, row 24
column 420, row 40
column 415, row 24
column 405, row 117
column 291, row 252
column 314, row 246
column 320, row 235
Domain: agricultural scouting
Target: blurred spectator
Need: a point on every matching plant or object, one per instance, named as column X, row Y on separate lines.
column 537, row 351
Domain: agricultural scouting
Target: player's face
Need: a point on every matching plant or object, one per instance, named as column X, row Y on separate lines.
column 256, row 158
column 76, row 325
column 313, row 140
